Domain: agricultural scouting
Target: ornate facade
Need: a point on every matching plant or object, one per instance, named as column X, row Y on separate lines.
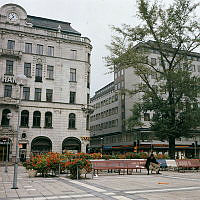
column 50, row 113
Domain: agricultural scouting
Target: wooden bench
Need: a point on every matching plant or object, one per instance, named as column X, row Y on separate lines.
column 188, row 164
column 118, row 165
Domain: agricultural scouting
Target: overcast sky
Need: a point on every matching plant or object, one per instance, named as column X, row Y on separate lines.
column 92, row 18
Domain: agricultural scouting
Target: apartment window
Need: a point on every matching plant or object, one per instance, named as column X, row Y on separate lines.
column 9, row 67
column 24, row 118
column 48, row 120
column 11, row 44
column 72, row 74
column 4, row 120
column 72, row 121
column 153, row 61
column 28, row 47
column 26, row 93
column 27, row 69
column 49, row 95
column 36, row 119
column 50, row 51
column 73, row 54
column 7, row 90
column 72, row 98
column 38, row 73
column 39, row 49
column 146, row 117
column 38, row 92
column 50, row 71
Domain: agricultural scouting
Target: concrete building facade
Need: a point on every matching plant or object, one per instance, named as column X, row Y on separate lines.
column 56, row 62
column 120, row 140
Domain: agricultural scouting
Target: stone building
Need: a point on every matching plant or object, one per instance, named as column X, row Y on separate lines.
column 114, row 137
column 51, row 113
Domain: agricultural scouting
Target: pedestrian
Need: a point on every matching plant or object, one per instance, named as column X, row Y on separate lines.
column 152, row 164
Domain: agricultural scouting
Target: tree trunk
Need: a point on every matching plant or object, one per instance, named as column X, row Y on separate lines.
column 172, row 147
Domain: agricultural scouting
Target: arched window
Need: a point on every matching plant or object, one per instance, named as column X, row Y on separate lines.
column 48, row 120
column 5, row 120
column 72, row 120
column 24, row 118
column 36, row 119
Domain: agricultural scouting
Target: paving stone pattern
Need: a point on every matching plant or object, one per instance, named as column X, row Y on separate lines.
column 139, row 186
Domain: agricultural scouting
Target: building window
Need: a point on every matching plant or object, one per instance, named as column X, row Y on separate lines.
column 50, row 70
column 38, row 92
column 87, row 122
column 5, row 121
column 72, row 74
column 50, row 51
column 27, row 69
column 11, row 44
column 48, row 120
column 72, row 98
column 88, row 80
column 146, row 117
column 153, row 61
column 49, row 95
column 24, row 118
column 26, row 93
column 28, row 48
column 198, row 68
column 89, row 58
column 73, row 54
column 39, row 49
column 38, row 73
column 36, row 119
column 8, row 91
column 9, row 67
column 72, row 121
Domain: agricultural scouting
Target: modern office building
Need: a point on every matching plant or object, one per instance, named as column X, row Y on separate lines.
column 113, row 108
column 47, row 112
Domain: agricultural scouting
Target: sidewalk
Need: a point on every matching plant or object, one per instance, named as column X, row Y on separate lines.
column 139, row 186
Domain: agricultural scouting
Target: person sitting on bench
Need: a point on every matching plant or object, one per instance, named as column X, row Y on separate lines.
column 152, row 164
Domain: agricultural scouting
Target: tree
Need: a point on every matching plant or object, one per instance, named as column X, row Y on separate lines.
column 173, row 34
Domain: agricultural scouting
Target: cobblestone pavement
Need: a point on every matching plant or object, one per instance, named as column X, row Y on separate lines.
column 138, row 186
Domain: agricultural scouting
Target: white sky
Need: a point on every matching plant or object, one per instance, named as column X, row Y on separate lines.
column 92, row 18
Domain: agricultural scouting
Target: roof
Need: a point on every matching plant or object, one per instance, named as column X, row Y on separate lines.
column 51, row 24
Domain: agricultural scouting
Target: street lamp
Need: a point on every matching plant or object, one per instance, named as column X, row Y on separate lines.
column 21, row 81
column 101, row 145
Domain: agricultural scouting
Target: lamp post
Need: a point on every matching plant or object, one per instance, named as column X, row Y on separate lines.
column 21, row 80
column 101, row 145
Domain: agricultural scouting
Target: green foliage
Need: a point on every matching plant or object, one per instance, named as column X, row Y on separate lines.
column 172, row 33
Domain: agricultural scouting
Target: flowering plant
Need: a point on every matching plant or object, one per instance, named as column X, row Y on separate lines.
column 75, row 165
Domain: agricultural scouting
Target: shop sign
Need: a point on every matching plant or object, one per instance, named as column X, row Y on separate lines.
column 8, row 79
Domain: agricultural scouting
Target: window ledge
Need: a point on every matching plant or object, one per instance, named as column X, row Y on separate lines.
column 72, row 128
column 36, row 127
column 73, row 81
column 48, row 127
column 24, row 127
column 50, row 79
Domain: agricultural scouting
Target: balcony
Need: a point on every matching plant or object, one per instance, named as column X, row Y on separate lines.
column 10, row 53
column 9, row 101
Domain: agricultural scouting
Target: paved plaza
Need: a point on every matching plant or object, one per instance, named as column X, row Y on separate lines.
column 139, row 186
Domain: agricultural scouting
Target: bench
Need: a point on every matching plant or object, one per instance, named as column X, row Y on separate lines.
column 188, row 164
column 118, row 165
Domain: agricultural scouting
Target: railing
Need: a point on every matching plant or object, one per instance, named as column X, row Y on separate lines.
column 11, row 53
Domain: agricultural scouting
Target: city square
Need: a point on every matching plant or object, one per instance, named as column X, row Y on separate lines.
column 99, row 100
